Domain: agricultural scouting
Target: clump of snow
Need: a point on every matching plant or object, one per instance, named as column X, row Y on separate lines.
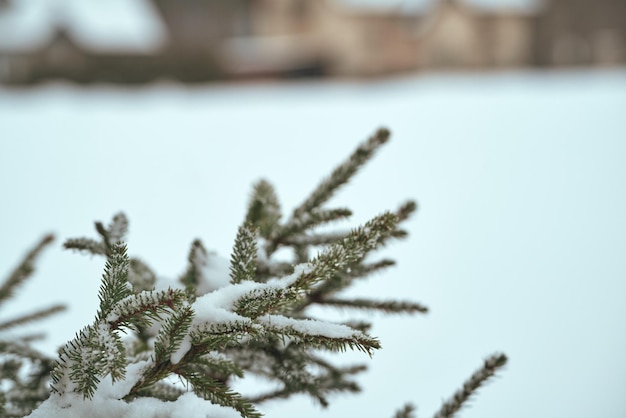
column 107, row 402
column 310, row 326
column 217, row 306
column 187, row 405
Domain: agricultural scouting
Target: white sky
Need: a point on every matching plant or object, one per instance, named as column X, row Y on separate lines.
column 518, row 245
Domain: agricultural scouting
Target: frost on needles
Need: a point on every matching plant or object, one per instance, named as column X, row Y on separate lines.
column 175, row 351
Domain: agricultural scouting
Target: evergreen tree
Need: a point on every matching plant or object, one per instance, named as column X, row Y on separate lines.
column 161, row 351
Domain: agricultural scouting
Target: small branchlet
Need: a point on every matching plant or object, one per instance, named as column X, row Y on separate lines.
column 195, row 277
column 305, row 221
column 351, row 249
column 140, row 276
column 243, row 259
column 343, row 173
column 24, row 270
column 471, row 385
column 24, row 319
column 393, row 306
column 407, row 411
column 111, row 235
column 114, row 287
column 264, row 208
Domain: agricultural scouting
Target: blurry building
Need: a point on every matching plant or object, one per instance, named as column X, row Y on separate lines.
column 581, row 32
column 81, row 45
column 201, row 40
column 458, row 35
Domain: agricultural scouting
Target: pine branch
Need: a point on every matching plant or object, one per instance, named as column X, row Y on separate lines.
column 194, row 276
column 95, row 352
column 22, row 350
column 384, row 306
column 24, row 270
column 118, row 228
column 243, row 259
column 471, row 385
column 342, row 280
column 159, row 390
column 86, row 244
column 44, row 313
column 140, row 276
column 264, row 300
column 319, row 335
column 407, row 411
column 350, row 250
column 171, row 336
column 264, row 208
column 315, row 239
column 304, row 222
column 342, row 173
column 145, row 307
column 405, row 211
column 218, row 393
column 212, row 364
column 114, row 287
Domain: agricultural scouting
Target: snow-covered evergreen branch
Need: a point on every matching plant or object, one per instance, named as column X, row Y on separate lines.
column 153, row 346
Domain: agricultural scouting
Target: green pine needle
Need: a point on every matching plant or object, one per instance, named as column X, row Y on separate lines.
column 243, row 259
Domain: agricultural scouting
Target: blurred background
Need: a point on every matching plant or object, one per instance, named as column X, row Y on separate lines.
column 508, row 122
column 192, row 41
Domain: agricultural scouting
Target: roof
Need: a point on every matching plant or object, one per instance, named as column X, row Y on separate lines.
column 111, row 25
column 418, row 6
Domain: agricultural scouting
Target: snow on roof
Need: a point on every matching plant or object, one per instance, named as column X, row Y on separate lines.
column 111, row 25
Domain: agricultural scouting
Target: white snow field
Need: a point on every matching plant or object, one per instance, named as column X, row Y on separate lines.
column 518, row 246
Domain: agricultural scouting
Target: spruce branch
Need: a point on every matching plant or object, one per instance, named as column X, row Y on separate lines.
column 243, row 259
column 24, row 270
column 391, row 306
column 140, row 276
column 195, row 276
column 265, row 300
column 406, row 210
column 44, row 313
column 407, row 411
column 114, row 287
column 85, row 244
column 172, row 334
column 264, row 208
column 303, row 222
column 351, row 249
column 342, row 280
column 22, row 350
column 342, row 173
column 314, row 239
column 95, row 352
column 471, row 385
column 307, row 333
column 115, row 232
column 217, row 392
column 144, row 308
column 159, row 390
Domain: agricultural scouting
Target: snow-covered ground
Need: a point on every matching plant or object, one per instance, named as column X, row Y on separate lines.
column 518, row 245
